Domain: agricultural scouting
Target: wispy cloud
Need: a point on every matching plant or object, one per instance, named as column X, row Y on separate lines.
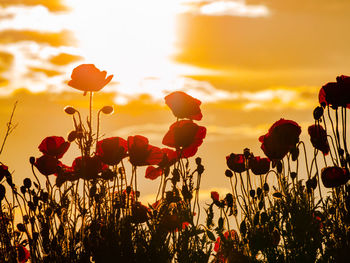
column 225, row 8
column 52, row 5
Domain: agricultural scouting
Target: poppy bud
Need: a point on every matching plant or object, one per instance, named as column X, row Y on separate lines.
column 32, row 160
column 107, row 110
column 318, row 113
column 252, row 193
column 259, row 192
column 176, row 175
column 21, row 227
column 266, row 187
column 279, row 167
column 23, row 189
column 72, row 136
column 293, row 175
column 295, row 153
column 69, row 110
column 2, row 192
column 198, row 160
column 228, row 173
column 128, row 190
column 27, row 183
column 200, row 169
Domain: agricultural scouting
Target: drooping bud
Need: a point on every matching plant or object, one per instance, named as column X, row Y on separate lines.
column 72, row 136
column 69, row 110
column 107, row 110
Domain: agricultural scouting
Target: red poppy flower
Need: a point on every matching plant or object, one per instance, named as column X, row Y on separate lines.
column 185, row 136
column 334, row 176
column 336, row 94
column 169, row 158
column 318, row 137
column 153, row 172
column 65, row 174
column 236, row 162
column 139, row 213
column 259, row 165
column 112, row 150
column 88, row 167
column 184, row 106
column 4, row 171
column 87, row 77
column 141, row 153
column 215, row 196
column 54, row 146
column 280, row 139
column 22, row 254
column 47, row 164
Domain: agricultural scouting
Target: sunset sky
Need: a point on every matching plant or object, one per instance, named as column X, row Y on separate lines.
column 249, row 62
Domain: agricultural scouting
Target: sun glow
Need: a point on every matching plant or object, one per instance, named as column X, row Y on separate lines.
column 132, row 39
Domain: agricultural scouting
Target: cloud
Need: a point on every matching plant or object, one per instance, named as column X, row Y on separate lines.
column 233, row 8
column 6, row 60
column 47, row 72
column 63, row 38
column 33, row 18
column 224, row 8
column 52, row 5
column 63, row 59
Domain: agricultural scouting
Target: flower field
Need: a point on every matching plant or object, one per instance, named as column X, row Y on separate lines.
column 282, row 207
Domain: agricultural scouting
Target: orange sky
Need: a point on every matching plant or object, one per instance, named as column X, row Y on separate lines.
column 250, row 62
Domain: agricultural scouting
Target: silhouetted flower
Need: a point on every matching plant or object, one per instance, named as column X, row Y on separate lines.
column 141, row 153
column 139, row 213
column 47, row 164
column 318, row 137
column 66, row 174
column 87, row 77
column 334, row 176
column 112, row 150
column 280, row 139
column 236, row 162
column 22, row 254
column 4, row 171
column 185, row 136
column 336, row 94
column 88, row 167
column 54, row 146
column 259, row 165
column 184, row 106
